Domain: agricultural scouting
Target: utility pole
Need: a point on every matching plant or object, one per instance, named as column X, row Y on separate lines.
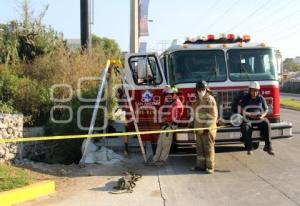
column 134, row 26
column 163, row 44
column 85, row 24
column 279, row 63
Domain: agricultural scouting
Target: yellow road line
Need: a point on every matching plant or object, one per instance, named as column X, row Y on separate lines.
column 27, row 193
column 65, row 137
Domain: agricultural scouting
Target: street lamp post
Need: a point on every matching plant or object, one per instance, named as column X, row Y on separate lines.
column 85, row 23
column 134, row 26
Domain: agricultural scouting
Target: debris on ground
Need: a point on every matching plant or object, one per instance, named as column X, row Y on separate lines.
column 126, row 183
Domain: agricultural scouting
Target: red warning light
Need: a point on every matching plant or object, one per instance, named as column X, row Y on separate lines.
column 230, row 36
column 210, row 37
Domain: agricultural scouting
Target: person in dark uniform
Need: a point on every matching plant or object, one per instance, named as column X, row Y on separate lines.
column 254, row 109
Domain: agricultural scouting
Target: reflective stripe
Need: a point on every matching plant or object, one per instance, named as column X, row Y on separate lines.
column 200, row 158
column 202, row 115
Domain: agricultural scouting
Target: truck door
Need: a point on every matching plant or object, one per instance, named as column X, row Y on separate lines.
column 143, row 71
column 146, row 80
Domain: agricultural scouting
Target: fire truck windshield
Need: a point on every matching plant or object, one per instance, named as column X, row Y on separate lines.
column 251, row 64
column 192, row 65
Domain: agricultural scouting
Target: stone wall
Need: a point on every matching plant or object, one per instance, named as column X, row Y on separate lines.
column 37, row 150
column 11, row 126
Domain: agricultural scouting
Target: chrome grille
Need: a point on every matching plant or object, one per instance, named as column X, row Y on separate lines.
column 224, row 101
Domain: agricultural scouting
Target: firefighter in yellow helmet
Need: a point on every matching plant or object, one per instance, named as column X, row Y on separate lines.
column 205, row 116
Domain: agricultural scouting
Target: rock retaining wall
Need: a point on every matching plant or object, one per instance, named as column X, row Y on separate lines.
column 11, row 126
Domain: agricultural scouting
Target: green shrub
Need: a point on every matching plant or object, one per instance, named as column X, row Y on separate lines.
column 69, row 151
column 291, row 87
column 6, row 107
column 21, row 94
column 33, row 100
column 72, row 127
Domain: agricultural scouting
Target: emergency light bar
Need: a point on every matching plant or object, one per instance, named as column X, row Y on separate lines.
column 222, row 39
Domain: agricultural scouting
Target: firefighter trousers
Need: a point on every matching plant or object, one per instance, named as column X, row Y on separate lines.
column 205, row 145
column 265, row 131
column 164, row 144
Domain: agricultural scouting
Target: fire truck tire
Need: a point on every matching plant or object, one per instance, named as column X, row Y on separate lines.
column 255, row 145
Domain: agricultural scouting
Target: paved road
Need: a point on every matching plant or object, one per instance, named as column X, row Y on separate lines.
column 259, row 179
column 292, row 96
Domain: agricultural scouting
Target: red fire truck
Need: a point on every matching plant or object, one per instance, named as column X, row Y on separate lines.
column 227, row 62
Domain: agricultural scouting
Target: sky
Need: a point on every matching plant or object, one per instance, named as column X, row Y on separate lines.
column 275, row 22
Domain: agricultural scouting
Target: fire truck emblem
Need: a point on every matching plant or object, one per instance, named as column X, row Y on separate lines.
column 147, row 96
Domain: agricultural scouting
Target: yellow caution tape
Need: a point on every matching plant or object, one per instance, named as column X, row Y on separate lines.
column 66, row 137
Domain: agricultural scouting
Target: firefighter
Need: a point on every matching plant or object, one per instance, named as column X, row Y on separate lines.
column 254, row 109
column 169, row 120
column 205, row 116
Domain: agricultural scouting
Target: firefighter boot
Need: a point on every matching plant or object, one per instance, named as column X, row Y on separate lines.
column 210, row 171
column 268, row 149
column 210, row 161
column 200, row 164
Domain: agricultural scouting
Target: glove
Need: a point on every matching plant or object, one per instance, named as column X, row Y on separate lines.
column 205, row 132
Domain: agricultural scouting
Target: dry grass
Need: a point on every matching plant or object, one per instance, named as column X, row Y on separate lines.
column 65, row 66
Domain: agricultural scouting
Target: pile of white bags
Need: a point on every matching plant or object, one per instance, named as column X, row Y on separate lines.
column 100, row 155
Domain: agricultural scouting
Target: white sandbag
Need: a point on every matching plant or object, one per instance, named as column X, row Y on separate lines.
column 91, row 147
column 106, row 156
column 90, row 158
column 113, row 161
column 100, row 156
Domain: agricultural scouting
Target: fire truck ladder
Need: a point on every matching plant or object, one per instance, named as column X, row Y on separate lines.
column 109, row 66
column 124, row 83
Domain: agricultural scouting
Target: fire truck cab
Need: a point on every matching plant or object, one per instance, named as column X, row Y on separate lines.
column 228, row 63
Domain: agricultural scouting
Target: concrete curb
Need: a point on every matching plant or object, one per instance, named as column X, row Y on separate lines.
column 288, row 107
column 27, row 193
column 289, row 94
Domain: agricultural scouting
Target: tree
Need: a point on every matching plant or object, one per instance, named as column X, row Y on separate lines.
column 289, row 65
column 27, row 39
column 110, row 47
column 8, row 44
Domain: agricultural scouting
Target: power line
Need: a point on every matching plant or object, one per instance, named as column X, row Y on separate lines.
column 290, row 28
column 282, row 7
column 294, row 27
column 277, row 10
column 277, row 22
column 250, row 15
column 213, row 5
column 223, row 14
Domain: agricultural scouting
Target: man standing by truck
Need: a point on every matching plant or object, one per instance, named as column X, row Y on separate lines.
column 169, row 120
column 205, row 116
column 254, row 108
